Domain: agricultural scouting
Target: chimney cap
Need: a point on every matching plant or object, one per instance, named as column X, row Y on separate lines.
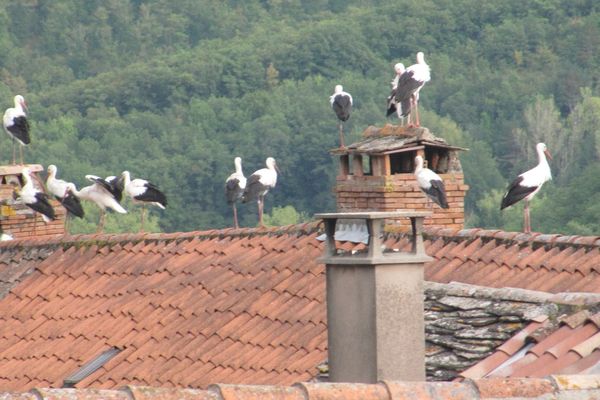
column 392, row 139
column 18, row 169
column 373, row 214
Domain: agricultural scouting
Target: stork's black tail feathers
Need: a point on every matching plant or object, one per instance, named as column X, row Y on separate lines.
column 153, row 195
column 72, row 204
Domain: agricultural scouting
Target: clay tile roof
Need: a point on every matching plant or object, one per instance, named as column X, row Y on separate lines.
column 247, row 306
column 571, row 387
column 569, row 347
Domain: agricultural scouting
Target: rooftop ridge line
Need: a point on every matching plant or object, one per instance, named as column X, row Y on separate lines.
column 511, row 237
column 67, row 241
column 461, row 289
column 507, row 388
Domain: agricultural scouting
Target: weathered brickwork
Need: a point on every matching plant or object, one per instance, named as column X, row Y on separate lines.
column 401, row 192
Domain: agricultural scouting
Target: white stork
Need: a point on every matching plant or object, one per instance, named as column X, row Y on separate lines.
column 430, row 183
column 392, row 106
column 410, row 84
column 341, row 102
column 100, row 194
column 526, row 185
column 144, row 192
column 34, row 198
column 234, row 188
column 64, row 192
column 116, row 185
column 259, row 184
column 16, row 125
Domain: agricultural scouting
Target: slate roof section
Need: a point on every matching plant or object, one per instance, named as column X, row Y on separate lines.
column 558, row 387
column 235, row 306
column 393, row 138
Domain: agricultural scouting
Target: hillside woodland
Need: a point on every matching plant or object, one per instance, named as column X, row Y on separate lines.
column 174, row 90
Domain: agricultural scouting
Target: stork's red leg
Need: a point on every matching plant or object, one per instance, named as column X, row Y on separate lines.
column 235, row 218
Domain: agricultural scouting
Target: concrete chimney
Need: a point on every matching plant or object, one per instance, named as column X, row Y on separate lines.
column 375, row 303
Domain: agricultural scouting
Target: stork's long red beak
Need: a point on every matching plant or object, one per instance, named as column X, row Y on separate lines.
column 547, row 153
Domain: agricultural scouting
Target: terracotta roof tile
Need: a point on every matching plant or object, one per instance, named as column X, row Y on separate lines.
column 344, row 391
column 246, row 392
column 483, row 368
column 216, row 293
column 513, row 387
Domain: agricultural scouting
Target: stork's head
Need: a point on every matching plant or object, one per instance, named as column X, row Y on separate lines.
column 126, row 176
column 399, row 68
column 20, row 101
column 420, row 58
column 541, row 148
column 339, row 88
column 51, row 169
column 271, row 164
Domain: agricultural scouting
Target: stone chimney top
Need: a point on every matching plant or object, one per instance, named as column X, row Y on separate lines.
column 377, row 174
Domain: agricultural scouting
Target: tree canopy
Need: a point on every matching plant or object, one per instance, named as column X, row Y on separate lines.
column 174, row 90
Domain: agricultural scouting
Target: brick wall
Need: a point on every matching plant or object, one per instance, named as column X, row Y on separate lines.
column 20, row 221
column 401, row 192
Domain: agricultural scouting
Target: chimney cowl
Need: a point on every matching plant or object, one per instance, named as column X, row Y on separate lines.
column 377, row 174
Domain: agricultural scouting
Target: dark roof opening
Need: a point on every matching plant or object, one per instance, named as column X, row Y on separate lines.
column 90, row 367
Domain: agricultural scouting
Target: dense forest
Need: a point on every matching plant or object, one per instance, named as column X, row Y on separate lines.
column 174, row 90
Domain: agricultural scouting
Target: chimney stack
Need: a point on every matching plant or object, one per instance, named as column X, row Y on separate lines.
column 375, row 303
column 377, row 174
column 18, row 220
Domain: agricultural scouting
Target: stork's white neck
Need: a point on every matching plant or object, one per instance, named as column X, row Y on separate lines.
column 238, row 165
column 126, row 177
column 419, row 164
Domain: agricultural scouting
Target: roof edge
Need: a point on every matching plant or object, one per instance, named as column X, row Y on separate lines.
column 460, row 289
column 433, row 232
column 67, row 241
column 562, row 386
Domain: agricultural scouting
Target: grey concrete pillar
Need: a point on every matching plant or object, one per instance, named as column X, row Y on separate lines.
column 375, row 304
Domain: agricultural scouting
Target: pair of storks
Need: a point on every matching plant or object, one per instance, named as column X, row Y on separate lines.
column 256, row 186
column 402, row 100
column 524, row 187
column 105, row 193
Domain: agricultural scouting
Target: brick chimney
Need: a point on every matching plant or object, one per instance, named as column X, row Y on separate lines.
column 375, row 310
column 18, row 220
column 377, row 174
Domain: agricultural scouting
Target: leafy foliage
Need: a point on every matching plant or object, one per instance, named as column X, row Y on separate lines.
column 174, row 90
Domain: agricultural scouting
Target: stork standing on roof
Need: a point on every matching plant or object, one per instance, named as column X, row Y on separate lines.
column 392, row 106
column 259, row 184
column 234, row 188
column 16, row 125
column 34, row 198
column 430, row 183
column 409, row 86
column 143, row 192
column 99, row 193
column 526, row 185
column 64, row 192
column 341, row 102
